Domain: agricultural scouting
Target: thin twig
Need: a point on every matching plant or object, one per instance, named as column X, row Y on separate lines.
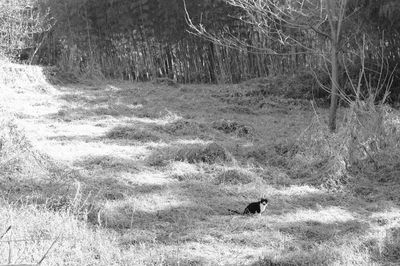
column 48, row 250
column 18, row 265
column 8, row 229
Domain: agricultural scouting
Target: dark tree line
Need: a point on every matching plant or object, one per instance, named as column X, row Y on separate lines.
column 143, row 39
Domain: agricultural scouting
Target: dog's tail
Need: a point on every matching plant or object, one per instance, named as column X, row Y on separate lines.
column 234, row 211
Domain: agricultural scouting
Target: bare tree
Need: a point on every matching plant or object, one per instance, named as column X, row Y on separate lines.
column 23, row 28
column 292, row 23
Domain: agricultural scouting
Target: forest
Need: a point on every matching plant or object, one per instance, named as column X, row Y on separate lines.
column 135, row 132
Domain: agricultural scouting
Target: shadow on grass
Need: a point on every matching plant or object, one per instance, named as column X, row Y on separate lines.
column 105, row 102
column 318, row 244
column 82, row 138
column 321, row 257
column 81, row 113
column 322, row 232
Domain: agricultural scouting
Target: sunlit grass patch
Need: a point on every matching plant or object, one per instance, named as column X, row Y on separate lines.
column 76, row 150
column 145, row 177
column 184, row 171
column 162, row 209
column 132, row 133
column 34, row 230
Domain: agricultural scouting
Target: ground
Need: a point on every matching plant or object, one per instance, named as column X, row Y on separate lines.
column 115, row 173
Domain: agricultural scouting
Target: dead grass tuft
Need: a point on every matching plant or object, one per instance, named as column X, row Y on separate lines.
column 229, row 127
column 132, row 133
column 173, row 261
column 184, row 127
column 193, row 153
column 262, row 156
column 237, row 109
column 211, row 153
column 303, row 85
column 151, row 113
column 34, row 229
column 188, row 177
column 107, row 162
column 18, row 158
column 390, row 249
column 234, row 176
column 256, row 155
column 166, row 81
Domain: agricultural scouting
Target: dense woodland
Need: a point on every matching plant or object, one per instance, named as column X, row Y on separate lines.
column 215, row 41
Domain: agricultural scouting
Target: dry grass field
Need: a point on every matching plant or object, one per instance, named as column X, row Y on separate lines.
column 115, row 173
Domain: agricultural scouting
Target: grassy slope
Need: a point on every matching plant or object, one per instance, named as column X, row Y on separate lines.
column 113, row 174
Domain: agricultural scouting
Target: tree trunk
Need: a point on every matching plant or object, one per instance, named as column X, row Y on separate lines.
column 211, row 59
column 336, row 11
column 334, row 88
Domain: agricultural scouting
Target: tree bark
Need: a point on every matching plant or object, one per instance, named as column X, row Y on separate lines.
column 336, row 11
column 334, row 88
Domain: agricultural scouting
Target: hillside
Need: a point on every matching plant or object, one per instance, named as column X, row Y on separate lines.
column 118, row 173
